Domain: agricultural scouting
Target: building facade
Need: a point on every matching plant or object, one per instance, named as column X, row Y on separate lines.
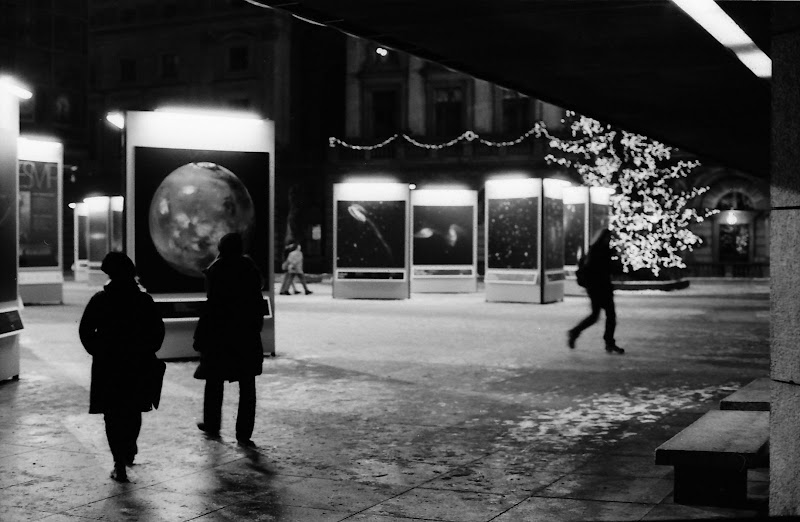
column 389, row 92
column 216, row 54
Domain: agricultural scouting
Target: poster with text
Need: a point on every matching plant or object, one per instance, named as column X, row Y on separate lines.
column 553, row 233
column 370, row 234
column 574, row 232
column 38, row 214
column 186, row 200
column 443, row 235
column 512, row 233
column 8, row 216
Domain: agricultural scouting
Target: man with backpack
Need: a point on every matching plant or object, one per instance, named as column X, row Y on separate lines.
column 594, row 274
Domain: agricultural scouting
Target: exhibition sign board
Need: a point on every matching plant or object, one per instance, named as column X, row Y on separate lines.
column 10, row 322
column 98, row 235
column 444, row 243
column 371, row 240
column 524, row 240
column 40, row 169
column 193, row 177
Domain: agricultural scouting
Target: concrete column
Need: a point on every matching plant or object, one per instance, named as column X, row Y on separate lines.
column 483, row 107
column 785, row 264
column 355, row 60
column 416, row 96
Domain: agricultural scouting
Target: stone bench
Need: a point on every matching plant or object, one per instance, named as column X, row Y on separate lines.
column 752, row 397
column 711, row 457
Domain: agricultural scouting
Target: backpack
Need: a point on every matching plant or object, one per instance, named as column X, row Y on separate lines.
column 582, row 274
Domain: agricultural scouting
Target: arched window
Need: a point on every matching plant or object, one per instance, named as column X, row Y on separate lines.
column 735, row 200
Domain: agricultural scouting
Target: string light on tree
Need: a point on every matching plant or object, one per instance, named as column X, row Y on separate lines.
column 650, row 211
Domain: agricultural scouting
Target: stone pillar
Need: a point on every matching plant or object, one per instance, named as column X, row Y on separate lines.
column 416, row 96
column 355, row 61
column 785, row 263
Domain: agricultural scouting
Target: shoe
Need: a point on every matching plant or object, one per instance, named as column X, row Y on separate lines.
column 571, row 338
column 285, row 293
column 210, row 432
column 246, row 443
column 613, row 348
column 309, row 292
column 119, row 474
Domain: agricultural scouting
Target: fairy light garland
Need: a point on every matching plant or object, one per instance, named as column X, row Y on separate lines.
column 538, row 130
column 650, row 215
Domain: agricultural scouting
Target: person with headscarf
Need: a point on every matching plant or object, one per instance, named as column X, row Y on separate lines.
column 228, row 337
column 598, row 266
column 122, row 330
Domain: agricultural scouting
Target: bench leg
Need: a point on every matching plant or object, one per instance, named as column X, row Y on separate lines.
column 709, row 487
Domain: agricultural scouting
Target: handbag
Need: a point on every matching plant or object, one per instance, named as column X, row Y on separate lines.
column 155, row 378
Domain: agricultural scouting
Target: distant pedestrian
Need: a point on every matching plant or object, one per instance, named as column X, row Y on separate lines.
column 294, row 269
column 598, row 269
column 228, row 337
column 122, row 330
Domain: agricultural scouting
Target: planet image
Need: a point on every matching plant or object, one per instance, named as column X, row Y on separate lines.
column 192, row 209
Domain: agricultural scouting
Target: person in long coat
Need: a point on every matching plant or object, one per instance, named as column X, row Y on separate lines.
column 228, row 337
column 122, row 330
column 294, row 269
column 599, row 269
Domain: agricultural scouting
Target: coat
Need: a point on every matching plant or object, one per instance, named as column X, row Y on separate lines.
column 228, row 333
column 122, row 330
column 294, row 262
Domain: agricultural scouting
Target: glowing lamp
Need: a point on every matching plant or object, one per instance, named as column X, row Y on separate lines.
column 117, row 119
column 14, row 87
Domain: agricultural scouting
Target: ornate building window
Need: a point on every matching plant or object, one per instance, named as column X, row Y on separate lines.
column 515, row 109
column 383, row 111
column 448, row 111
column 735, row 200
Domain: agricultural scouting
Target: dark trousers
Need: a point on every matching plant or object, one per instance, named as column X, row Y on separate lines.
column 602, row 299
column 122, row 430
column 246, row 416
column 288, row 277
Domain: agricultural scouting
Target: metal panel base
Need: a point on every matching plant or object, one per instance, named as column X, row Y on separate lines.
column 179, row 339
column 9, row 357
column 512, row 293
column 444, row 285
column 45, row 293
column 371, row 290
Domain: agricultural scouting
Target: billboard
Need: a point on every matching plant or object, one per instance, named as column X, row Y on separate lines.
column 38, row 214
column 186, row 200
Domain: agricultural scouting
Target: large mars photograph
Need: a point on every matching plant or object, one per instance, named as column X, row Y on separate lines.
column 370, row 234
column 512, row 233
column 186, row 200
column 443, row 235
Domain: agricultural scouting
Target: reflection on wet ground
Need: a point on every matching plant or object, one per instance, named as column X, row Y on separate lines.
column 442, row 407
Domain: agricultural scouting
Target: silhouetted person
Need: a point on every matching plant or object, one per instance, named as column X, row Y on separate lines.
column 294, row 269
column 122, row 330
column 228, row 337
column 598, row 266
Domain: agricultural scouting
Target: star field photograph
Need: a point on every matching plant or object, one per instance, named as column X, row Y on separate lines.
column 553, row 233
column 512, row 231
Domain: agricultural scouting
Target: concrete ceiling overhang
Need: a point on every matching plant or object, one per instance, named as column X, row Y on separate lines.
column 643, row 65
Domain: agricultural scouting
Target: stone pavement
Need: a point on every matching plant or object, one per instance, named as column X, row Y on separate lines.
column 441, row 407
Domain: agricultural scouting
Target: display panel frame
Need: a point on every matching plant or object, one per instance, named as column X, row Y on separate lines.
column 365, row 281
column 202, row 131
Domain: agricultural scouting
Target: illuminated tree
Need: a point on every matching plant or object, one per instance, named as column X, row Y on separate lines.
column 649, row 209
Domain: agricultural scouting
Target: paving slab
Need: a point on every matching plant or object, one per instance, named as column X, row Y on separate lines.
column 439, row 407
